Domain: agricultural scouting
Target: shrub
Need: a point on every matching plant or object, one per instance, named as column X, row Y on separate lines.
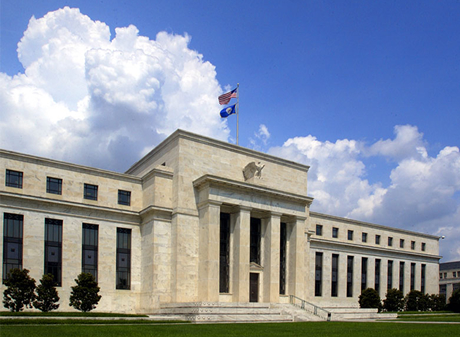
column 20, row 290
column 415, row 301
column 47, row 295
column 84, row 295
column 454, row 301
column 394, row 300
column 370, row 298
column 438, row 302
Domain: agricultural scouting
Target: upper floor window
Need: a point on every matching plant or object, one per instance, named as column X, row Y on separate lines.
column 90, row 192
column 319, row 230
column 124, row 197
column 401, row 243
column 377, row 239
column 423, row 246
column 390, row 241
column 13, row 179
column 364, row 239
column 454, row 274
column 335, row 232
column 350, row 235
column 53, row 185
column 412, row 245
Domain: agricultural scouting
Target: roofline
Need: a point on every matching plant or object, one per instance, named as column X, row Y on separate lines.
column 69, row 166
column 217, row 143
column 368, row 224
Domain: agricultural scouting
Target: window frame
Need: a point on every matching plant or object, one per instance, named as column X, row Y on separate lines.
column 319, row 230
column 390, row 241
column 10, row 174
column 12, row 224
column 87, row 189
column 377, row 239
column 51, row 181
column 335, row 232
column 90, row 244
column 125, row 194
column 350, row 235
column 123, row 250
column 364, row 237
column 53, row 230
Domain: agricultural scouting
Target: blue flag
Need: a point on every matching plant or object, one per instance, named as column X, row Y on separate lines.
column 230, row 110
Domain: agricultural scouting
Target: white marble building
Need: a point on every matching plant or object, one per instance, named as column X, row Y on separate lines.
column 198, row 220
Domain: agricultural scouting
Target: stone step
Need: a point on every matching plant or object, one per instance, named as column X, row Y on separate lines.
column 219, row 310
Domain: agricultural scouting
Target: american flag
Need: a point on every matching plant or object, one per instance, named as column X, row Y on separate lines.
column 225, row 98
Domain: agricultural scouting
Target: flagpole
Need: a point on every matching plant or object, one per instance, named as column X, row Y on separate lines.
column 237, row 111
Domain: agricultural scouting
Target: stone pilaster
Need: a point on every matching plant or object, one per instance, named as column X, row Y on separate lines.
column 271, row 262
column 241, row 222
column 208, row 286
column 296, row 268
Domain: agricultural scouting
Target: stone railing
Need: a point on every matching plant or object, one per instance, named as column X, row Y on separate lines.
column 310, row 307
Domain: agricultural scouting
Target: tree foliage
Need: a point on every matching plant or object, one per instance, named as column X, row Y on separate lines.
column 370, row 298
column 394, row 300
column 84, row 295
column 20, row 290
column 454, row 301
column 415, row 300
column 437, row 302
column 47, row 295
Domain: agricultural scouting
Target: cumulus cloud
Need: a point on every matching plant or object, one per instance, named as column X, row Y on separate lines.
column 423, row 193
column 119, row 97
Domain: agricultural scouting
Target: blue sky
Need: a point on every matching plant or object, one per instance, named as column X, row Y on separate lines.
column 366, row 92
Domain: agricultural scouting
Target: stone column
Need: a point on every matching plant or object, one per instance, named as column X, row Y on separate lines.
column 208, row 287
column 271, row 264
column 296, row 254
column 241, row 223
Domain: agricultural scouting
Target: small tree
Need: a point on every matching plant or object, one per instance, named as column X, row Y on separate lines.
column 415, row 301
column 454, row 301
column 47, row 295
column 370, row 298
column 394, row 300
column 438, row 302
column 20, row 290
column 84, row 295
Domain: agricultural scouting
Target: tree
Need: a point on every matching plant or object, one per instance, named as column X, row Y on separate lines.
column 84, row 295
column 47, row 295
column 20, row 290
column 438, row 302
column 394, row 300
column 415, row 301
column 370, row 298
column 454, row 301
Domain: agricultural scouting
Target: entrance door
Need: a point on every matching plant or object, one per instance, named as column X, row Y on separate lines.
column 253, row 287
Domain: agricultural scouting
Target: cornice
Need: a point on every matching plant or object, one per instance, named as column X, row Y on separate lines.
column 211, row 180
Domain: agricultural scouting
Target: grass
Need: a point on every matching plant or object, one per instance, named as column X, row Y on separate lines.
column 313, row 329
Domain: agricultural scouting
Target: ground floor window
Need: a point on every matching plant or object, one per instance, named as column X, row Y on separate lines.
column 224, row 253
column 363, row 273
column 283, row 244
column 123, row 277
column 335, row 275
column 318, row 273
column 390, row 275
column 89, row 259
column 12, row 242
column 53, row 249
column 401, row 276
column 350, row 260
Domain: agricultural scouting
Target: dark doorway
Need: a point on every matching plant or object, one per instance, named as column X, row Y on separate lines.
column 253, row 287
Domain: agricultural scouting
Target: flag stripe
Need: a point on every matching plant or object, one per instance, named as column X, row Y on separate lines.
column 225, row 98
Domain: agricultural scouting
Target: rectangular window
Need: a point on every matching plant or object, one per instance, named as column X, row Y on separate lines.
column 412, row 245
column 123, row 280
column 254, row 237
column 53, row 249
column 89, row 258
column 423, row 246
column 350, row 235
column 440, row 275
column 364, row 238
column 53, row 185
column 390, row 241
column 283, row 258
column 90, row 192
column 423, row 279
column 124, row 197
column 390, row 275
column 12, row 242
column 377, row 239
column 454, row 274
column 319, row 230
column 363, row 273
column 412, row 276
column 401, row 243
column 377, row 275
column 445, row 275
column 318, row 273
column 335, row 274
column 350, row 276
column 401, row 276
column 224, row 253
column 13, row 179
column 335, row 232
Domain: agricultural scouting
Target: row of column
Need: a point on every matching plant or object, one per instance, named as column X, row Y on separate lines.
column 208, row 287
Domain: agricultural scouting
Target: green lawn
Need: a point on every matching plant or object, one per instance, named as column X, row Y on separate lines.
column 320, row 329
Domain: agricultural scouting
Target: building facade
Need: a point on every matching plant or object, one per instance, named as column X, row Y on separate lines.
column 449, row 278
column 198, row 220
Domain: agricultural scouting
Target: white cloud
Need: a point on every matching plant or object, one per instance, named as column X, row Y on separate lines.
column 118, row 97
column 423, row 193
